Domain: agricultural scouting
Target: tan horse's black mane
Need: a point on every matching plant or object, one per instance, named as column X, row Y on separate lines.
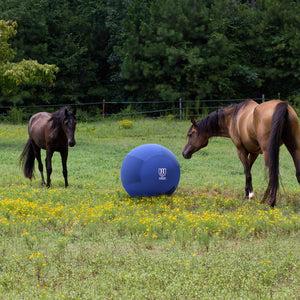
column 214, row 122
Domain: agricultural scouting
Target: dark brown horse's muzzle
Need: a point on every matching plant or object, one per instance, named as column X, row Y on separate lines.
column 72, row 143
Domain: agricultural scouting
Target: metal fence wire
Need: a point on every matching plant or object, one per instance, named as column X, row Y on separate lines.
column 180, row 109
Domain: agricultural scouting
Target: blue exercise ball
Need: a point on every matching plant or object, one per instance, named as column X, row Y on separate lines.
column 150, row 170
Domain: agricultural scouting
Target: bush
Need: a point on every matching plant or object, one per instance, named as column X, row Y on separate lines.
column 16, row 115
column 125, row 124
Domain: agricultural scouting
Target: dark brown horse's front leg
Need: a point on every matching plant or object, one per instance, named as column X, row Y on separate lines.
column 64, row 157
column 49, row 155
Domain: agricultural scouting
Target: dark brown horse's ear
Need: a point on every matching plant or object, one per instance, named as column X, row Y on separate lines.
column 66, row 111
column 193, row 121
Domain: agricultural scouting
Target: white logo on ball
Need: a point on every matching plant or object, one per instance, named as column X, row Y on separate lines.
column 162, row 172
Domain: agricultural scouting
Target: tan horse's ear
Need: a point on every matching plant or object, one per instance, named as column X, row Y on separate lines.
column 193, row 121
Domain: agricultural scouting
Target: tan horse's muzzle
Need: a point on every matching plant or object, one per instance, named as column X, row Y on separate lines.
column 186, row 153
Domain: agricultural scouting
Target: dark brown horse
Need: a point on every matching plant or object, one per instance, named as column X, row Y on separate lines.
column 52, row 132
column 254, row 129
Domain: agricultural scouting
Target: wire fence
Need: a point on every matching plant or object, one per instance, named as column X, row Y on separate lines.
column 180, row 109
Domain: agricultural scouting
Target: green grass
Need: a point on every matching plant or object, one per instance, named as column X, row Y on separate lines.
column 92, row 241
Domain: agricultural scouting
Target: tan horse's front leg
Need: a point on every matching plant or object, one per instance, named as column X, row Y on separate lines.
column 252, row 158
column 247, row 164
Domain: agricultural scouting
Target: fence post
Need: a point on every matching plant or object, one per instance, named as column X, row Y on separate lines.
column 103, row 108
column 263, row 98
column 180, row 109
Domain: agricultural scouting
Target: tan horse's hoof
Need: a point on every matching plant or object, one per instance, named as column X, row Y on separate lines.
column 251, row 195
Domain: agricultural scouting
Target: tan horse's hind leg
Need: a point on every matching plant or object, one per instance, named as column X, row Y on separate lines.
column 296, row 158
column 268, row 190
column 297, row 164
column 293, row 146
column 270, row 193
column 291, row 139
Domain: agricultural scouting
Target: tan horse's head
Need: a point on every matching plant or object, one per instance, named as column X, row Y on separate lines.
column 195, row 140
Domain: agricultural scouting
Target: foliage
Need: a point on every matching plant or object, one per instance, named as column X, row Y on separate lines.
column 13, row 74
column 158, row 50
column 7, row 30
column 16, row 115
column 125, row 124
column 210, row 50
column 173, row 49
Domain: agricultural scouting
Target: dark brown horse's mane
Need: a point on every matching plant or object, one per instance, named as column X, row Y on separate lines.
column 214, row 122
column 58, row 117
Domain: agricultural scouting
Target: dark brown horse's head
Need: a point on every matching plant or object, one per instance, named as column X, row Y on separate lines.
column 69, row 125
column 197, row 139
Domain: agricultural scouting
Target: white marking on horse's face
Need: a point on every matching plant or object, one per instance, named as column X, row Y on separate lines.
column 251, row 195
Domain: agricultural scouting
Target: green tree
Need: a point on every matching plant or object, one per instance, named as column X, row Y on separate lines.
column 211, row 49
column 70, row 34
column 180, row 48
column 13, row 74
column 281, row 36
column 267, row 34
column 156, row 49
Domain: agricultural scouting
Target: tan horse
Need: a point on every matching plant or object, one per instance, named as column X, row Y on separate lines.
column 52, row 132
column 254, row 129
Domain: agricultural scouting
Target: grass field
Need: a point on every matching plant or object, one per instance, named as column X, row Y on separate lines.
column 92, row 241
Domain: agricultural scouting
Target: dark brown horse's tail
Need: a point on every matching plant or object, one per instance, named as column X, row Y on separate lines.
column 27, row 160
column 279, row 121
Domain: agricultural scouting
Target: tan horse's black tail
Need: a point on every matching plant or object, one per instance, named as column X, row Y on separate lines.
column 279, row 121
column 27, row 160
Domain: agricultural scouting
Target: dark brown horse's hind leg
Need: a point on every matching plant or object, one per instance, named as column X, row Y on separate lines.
column 37, row 152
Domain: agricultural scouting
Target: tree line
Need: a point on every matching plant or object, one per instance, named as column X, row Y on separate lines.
column 144, row 50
